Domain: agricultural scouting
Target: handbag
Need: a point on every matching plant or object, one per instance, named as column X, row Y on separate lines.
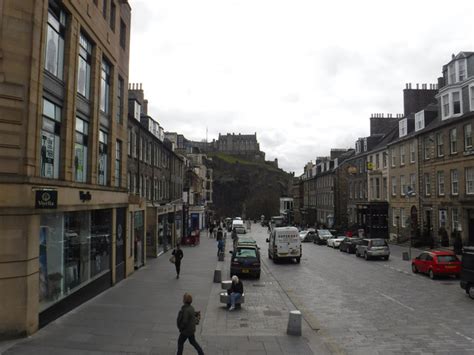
column 197, row 316
column 172, row 259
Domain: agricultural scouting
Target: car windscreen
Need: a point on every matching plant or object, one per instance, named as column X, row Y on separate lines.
column 246, row 253
column 378, row 243
column 324, row 232
column 446, row 258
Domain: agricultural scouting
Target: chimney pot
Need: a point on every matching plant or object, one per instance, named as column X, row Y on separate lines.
column 417, row 86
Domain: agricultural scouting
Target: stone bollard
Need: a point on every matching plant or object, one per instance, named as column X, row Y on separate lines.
column 217, row 276
column 294, row 323
column 405, row 255
column 225, row 285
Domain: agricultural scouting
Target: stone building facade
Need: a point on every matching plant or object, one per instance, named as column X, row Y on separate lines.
column 64, row 207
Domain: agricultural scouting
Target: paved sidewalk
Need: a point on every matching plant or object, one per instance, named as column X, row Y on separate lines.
column 138, row 315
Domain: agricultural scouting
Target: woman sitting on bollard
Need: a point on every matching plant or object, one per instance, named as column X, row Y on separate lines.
column 235, row 291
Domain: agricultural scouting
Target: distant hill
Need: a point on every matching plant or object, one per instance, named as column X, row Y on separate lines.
column 249, row 188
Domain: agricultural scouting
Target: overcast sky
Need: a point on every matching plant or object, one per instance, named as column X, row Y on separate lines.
column 304, row 75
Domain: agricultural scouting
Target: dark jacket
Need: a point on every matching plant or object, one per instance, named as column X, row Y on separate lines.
column 178, row 254
column 187, row 324
column 237, row 288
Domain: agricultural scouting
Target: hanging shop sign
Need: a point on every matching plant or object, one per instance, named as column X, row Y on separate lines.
column 46, row 199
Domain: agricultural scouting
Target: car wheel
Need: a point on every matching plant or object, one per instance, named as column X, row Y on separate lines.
column 470, row 291
column 414, row 269
column 431, row 274
column 258, row 275
column 387, row 257
column 366, row 256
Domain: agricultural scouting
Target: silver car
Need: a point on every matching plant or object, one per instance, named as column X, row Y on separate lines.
column 373, row 248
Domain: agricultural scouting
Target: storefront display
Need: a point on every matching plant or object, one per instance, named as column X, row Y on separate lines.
column 74, row 250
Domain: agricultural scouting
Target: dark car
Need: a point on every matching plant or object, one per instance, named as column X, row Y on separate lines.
column 322, row 236
column 245, row 261
column 307, row 235
column 349, row 245
column 467, row 271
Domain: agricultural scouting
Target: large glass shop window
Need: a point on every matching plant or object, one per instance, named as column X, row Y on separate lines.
column 74, row 250
column 50, row 140
column 102, row 158
column 80, row 150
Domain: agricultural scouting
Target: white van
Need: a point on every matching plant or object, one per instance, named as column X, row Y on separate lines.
column 239, row 226
column 284, row 243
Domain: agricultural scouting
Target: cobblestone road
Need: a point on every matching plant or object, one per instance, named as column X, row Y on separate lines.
column 370, row 307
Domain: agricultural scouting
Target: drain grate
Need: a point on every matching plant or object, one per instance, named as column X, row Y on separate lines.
column 272, row 313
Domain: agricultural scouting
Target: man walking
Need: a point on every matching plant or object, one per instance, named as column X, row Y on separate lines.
column 187, row 325
column 178, row 255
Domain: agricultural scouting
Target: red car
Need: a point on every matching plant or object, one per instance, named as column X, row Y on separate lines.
column 437, row 263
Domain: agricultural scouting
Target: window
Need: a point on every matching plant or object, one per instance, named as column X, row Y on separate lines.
column 455, row 219
column 104, row 8
column 394, row 157
column 412, row 186
column 112, row 15
column 456, row 95
column 118, row 163
column 461, row 69
column 454, row 182
column 123, row 34
column 402, row 127
column 445, row 105
column 129, row 142
column 403, row 186
column 361, row 191
column 377, row 188
column 412, row 151
column 143, row 149
column 134, row 144
column 426, row 178
column 54, row 60
column 385, row 188
column 471, row 96
column 120, row 95
column 377, row 161
column 402, row 154
column 439, row 145
column 419, row 120
column 394, row 186
column 470, row 181
column 402, row 217
column 80, row 150
column 440, row 176
column 384, row 159
column 467, row 137
column 105, row 87
column 394, row 216
column 84, row 67
column 103, row 141
column 129, row 182
column 426, row 147
column 453, row 138
column 50, row 140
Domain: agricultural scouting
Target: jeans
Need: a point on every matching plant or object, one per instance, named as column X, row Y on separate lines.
column 177, row 265
column 234, row 297
column 181, row 340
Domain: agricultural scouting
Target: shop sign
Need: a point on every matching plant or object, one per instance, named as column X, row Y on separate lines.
column 46, row 199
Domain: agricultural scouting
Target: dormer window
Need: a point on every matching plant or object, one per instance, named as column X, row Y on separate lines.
column 357, row 147
column 419, row 121
column 451, row 104
column 461, row 69
column 402, row 128
column 471, row 96
column 457, row 71
column 365, row 144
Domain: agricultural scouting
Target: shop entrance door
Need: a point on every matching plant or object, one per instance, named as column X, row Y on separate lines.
column 120, row 228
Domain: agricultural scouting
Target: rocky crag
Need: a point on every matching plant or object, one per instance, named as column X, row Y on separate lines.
column 247, row 188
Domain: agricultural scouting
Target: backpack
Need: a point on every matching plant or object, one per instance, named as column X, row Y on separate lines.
column 179, row 321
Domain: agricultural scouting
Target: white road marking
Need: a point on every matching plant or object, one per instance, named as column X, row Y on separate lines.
column 457, row 333
column 397, row 302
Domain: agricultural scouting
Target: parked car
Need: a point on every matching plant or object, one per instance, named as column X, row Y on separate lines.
column 322, row 236
column 335, row 241
column 373, row 248
column 349, row 244
column 245, row 261
column 467, row 271
column 245, row 240
column 436, row 263
column 307, row 235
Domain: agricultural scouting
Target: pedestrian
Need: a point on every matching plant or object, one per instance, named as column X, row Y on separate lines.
column 235, row 291
column 219, row 234
column 235, row 238
column 186, row 322
column 178, row 255
column 220, row 246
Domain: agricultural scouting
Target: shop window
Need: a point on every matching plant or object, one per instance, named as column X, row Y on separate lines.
column 74, row 249
column 84, row 66
column 50, row 140
column 54, row 61
column 80, row 150
column 103, row 150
